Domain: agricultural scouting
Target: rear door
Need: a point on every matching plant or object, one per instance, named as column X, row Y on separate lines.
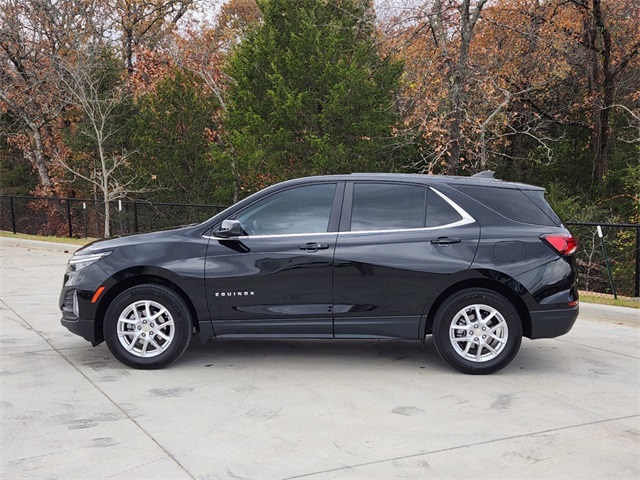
column 398, row 243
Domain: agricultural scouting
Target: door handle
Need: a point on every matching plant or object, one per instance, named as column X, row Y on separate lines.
column 313, row 246
column 445, row 240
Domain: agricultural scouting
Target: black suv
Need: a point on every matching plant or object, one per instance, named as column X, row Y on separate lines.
column 474, row 261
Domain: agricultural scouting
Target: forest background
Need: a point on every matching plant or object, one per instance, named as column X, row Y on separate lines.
column 205, row 101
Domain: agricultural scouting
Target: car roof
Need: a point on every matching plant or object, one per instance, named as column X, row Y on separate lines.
column 483, row 180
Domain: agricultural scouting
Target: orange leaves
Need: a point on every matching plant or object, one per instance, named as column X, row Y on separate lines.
column 151, row 67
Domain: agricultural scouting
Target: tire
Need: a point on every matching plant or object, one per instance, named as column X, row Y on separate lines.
column 477, row 347
column 148, row 326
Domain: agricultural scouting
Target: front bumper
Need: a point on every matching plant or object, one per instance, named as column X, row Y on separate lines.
column 70, row 320
column 84, row 328
column 78, row 310
column 552, row 323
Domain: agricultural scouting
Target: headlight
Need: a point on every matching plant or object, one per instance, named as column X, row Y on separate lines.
column 80, row 261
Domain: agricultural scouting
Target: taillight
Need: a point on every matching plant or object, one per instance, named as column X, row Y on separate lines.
column 564, row 244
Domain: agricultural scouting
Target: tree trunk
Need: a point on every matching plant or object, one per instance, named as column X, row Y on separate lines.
column 40, row 162
column 107, row 216
column 456, row 94
column 603, row 83
column 459, row 74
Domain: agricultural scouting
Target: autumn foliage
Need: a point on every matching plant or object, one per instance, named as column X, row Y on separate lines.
column 208, row 101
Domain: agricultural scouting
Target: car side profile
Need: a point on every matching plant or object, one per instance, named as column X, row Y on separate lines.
column 476, row 262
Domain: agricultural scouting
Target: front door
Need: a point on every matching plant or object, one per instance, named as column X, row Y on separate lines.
column 276, row 279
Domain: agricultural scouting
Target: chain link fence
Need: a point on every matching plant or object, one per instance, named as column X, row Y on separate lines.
column 606, row 266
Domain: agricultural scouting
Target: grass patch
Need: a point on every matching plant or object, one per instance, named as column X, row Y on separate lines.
column 605, row 299
column 24, row 236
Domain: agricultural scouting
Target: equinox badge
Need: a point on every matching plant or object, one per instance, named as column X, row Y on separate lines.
column 234, row 294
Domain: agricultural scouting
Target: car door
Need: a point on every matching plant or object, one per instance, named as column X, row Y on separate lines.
column 397, row 243
column 276, row 279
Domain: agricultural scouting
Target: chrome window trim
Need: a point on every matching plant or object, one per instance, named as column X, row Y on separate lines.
column 465, row 220
column 465, row 216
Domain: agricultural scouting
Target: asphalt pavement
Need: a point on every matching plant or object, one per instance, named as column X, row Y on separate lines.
column 257, row 409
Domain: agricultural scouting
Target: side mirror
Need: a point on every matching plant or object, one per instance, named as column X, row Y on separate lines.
column 229, row 228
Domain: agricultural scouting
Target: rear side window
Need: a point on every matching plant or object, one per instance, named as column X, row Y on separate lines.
column 512, row 203
column 380, row 206
column 439, row 212
column 537, row 197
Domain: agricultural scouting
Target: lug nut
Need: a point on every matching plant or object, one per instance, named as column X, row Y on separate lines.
column 139, row 327
column 484, row 336
column 475, row 339
column 152, row 325
column 144, row 321
column 144, row 335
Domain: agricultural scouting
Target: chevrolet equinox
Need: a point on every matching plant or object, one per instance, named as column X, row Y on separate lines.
column 474, row 261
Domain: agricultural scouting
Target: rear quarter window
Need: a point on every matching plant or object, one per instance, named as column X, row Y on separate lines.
column 515, row 204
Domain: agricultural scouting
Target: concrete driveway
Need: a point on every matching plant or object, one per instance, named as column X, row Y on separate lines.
column 245, row 409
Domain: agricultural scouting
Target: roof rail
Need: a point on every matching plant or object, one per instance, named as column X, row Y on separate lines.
column 485, row 174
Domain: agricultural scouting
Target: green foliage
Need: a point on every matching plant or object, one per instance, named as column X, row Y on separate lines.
column 311, row 93
column 174, row 131
column 16, row 173
column 573, row 207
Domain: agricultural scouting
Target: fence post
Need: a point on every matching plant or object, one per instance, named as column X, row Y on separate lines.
column 135, row 216
column 70, row 224
column 120, row 217
column 606, row 262
column 13, row 214
column 636, row 288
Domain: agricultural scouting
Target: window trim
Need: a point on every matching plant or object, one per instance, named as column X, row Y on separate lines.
column 344, row 199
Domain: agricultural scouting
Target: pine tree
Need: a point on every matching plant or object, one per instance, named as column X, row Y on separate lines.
column 311, row 93
column 173, row 135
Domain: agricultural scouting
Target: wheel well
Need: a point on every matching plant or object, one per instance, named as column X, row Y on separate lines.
column 129, row 282
column 497, row 287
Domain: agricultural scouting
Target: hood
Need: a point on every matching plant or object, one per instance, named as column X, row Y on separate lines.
column 112, row 243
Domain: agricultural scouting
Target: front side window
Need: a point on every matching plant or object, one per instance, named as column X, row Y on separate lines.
column 303, row 209
column 379, row 206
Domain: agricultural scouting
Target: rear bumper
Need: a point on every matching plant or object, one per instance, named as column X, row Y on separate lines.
column 552, row 323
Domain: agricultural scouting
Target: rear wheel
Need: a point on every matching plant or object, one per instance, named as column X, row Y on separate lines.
column 477, row 331
column 148, row 326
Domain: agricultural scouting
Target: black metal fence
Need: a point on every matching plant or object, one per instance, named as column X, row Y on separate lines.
column 80, row 218
column 84, row 218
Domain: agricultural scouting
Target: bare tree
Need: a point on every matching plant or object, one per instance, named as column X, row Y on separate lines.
column 99, row 99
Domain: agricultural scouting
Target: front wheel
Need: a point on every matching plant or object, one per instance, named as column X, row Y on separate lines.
column 477, row 331
column 148, row 326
